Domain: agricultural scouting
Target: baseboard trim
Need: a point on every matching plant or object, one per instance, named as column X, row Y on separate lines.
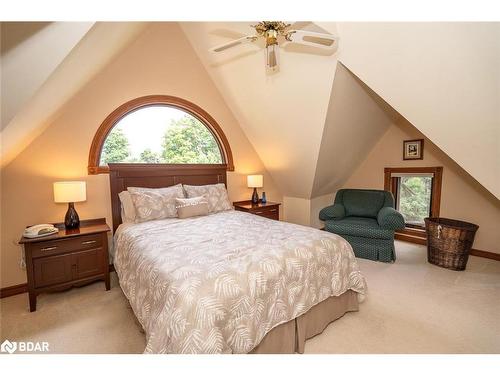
column 412, row 232
column 13, row 290
column 485, row 254
column 423, row 241
column 409, row 238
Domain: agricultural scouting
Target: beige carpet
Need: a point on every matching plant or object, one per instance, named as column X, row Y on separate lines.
column 411, row 307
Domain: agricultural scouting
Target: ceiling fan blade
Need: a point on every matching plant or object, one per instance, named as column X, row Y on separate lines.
column 310, row 38
column 299, row 24
column 225, row 46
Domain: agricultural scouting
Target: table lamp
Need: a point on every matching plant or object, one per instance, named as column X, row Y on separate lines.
column 70, row 192
column 255, row 181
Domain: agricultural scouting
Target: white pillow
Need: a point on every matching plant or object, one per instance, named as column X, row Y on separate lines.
column 189, row 207
column 127, row 207
column 155, row 204
column 216, row 194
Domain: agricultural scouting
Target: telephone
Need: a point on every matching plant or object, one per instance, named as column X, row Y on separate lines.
column 40, row 230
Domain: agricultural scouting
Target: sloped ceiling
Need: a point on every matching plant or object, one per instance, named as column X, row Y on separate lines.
column 310, row 127
column 63, row 65
column 357, row 118
column 302, row 120
column 282, row 114
column 442, row 77
column 30, row 52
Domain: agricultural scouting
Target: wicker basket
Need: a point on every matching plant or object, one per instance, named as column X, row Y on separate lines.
column 449, row 242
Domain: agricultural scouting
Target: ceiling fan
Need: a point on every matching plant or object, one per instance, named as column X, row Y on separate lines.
column 272, row 31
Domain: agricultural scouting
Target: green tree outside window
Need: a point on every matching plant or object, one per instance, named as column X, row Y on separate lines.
column 116, row 148
column 148, row 156
column 415, row 198
column 186, row 141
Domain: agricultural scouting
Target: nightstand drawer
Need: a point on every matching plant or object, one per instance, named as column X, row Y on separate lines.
column 270, row 213
column 54, row 247
column 271, row 210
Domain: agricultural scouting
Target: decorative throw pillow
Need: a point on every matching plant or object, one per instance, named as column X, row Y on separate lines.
column 189, row 207
column 128, row 209
column 155, row 204
column 216, row 194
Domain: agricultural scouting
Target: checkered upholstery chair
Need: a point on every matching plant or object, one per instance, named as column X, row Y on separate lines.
column 367, row 220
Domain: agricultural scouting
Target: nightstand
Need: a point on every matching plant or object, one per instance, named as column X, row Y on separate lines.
column 271, row 210
column 71, row 257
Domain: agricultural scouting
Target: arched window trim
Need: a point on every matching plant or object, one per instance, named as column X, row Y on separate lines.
column 151, row 100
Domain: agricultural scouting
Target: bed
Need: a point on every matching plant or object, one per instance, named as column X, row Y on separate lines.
column 228, row 282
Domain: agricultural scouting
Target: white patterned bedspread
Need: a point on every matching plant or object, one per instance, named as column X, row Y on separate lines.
column 220, row 283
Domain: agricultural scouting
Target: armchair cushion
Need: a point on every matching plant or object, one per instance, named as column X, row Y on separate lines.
column 358, row 227
column 389, row 218
column 335, row 211
column 363, row 203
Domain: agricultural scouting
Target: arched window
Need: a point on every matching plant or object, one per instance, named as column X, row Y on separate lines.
column 159, row 129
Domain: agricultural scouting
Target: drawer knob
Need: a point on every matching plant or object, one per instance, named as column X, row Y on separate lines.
column 48, row 248
column 258, row 212
column 88, row 242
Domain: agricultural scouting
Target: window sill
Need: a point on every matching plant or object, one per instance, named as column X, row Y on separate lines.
column 414, row 232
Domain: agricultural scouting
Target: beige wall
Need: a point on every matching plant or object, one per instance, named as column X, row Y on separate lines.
column 160, row 61
column 443, row 77
column 317, row 204
column 305, row 211
column 462, row 197
column 296, row 210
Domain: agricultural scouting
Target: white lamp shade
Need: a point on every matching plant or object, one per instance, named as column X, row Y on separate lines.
column 70, row 191
column 255, row 181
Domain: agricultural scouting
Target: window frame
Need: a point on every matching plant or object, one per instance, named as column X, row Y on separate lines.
column 156, row 100
column 415, row 233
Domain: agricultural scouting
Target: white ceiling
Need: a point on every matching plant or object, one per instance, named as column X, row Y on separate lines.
column 68, row 63
column 443, row 77
column 282, row 113
column 357, row 119
column 30, row 52
column 301, row 120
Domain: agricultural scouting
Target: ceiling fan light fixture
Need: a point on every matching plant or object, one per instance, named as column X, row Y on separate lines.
column 271, row 37
column 271, row 31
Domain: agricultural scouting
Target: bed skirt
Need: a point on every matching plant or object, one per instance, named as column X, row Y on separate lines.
column 290, row 337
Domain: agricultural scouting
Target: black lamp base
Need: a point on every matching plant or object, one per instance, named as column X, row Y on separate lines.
column 71, row 220
column 255, row 196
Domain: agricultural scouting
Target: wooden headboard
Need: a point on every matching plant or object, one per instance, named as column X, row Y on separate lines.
column 122, row 176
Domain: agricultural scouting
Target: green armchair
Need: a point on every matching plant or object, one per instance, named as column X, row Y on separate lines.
column 367, row 220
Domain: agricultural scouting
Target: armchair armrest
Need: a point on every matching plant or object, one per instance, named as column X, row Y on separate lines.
column 389, row 218
column 335, row 211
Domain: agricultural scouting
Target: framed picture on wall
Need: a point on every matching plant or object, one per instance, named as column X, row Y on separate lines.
column 413, row 149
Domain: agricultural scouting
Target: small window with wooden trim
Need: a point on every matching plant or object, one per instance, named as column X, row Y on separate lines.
column 159, row 129
column 417, row 195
